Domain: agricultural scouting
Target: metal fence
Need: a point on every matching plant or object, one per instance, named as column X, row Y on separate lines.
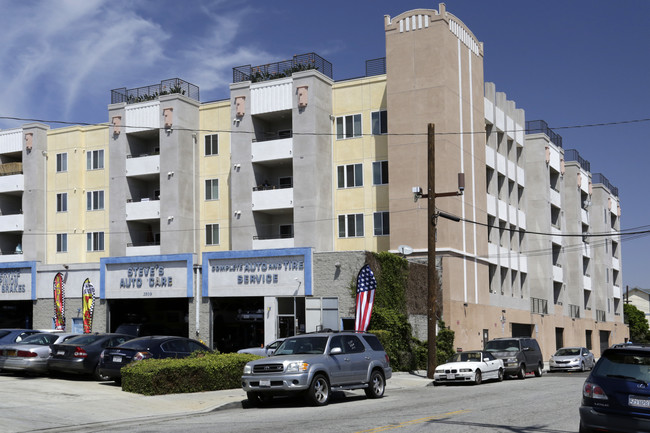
column 154, row 91
column 537, row 126
column 600, row 178
column 376, row 67
column 284, row 68
column 573, row 155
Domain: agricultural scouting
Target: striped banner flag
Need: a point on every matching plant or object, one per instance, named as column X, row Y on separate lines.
column 366, row 285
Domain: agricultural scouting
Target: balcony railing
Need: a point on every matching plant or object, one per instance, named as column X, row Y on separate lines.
column 9, row 168
column 573, row 155
column 143, row 244
column 282, row 69
column 540, row 126
column 149, row 93
column 600, row 178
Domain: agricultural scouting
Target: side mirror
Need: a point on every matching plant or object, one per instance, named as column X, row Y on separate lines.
column 335, row 351
column 486, row 359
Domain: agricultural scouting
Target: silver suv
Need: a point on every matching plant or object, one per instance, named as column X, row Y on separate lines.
column 317, row 364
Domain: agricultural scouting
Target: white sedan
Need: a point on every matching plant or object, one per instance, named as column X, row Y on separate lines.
column 473, row 366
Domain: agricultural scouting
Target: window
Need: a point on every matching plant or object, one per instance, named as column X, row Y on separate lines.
column 62, row 202
column 379, row 121
column 95, row 200
column 95, row 241
column 95, row 160
column 212, row 189
column 61, row 162
column 350, row 175
column 61, row 242
column 382, row 226
column 380, row 172
column 212, row 234
column 211, row 145
column 348, row 126
column 351, row 225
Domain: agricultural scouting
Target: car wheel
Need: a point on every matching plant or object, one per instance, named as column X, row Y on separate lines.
column 98, row 376
column 539, row 370
column 500, row 376
column 477, row 377
column 521, row 374
column 582, row 366
column 319, row 391
column 376, row 386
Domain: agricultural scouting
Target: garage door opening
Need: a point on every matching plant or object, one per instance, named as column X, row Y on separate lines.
column 238, row 323
column 16, row 314
column 158, row 316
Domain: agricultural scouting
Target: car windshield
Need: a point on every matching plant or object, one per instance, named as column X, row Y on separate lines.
column 569, row 351
column 40, row 339
column 302, row 345
column 466, row 357
column 502, row 346
column 624, row 365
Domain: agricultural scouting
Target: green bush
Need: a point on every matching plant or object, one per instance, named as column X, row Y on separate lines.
column 207, row 372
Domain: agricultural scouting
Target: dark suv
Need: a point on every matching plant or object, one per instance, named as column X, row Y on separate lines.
column 616, row 395
column 520, row 355
column 317, row 364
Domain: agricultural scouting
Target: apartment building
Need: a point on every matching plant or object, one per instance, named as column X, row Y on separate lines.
column 242, row 220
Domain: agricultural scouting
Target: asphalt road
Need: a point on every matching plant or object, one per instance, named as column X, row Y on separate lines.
column 548, row 404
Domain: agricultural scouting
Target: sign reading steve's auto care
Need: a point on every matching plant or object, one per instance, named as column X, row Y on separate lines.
column 285, row 272
column 157, row 277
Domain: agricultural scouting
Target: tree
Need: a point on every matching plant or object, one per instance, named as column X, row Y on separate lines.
column 637, row 322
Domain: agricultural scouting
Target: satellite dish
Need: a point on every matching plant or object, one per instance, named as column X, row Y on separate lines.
column 405, row 249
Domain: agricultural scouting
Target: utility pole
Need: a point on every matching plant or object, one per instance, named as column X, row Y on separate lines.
column 432, row 280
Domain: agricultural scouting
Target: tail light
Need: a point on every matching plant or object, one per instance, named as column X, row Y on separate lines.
column 142, row 355
column 79, row 353
column 591, row 390
column 387, row 359
column 26, row 354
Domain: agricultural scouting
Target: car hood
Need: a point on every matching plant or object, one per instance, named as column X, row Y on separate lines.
column 288, row 358
column 564, row 357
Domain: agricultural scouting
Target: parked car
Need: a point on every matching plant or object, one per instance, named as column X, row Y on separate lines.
column 472, row 366
column 80, row 355
column 9, row 336
column 264, row 350
column 616, row 395
column 112, row 359
column 520, row 355
column 317, row 363
column 572, row 359
column 30, row 355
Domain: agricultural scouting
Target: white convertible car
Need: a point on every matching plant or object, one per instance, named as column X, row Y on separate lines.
column 472, row 366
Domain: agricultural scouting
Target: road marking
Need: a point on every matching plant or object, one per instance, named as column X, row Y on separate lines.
column 413, row 421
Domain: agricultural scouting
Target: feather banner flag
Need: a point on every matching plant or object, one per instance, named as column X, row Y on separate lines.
column 59, row 302
column 88, row 304
column 366, row 285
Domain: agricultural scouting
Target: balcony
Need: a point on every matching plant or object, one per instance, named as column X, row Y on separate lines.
column 272, row 150
column 616, row 292
column 154, row 91
column 13, row 183
column 144, row 209
column 586, row 282
column 282, row 69
column 12, row 223
column 273, row 199
column 143, row 165
column 278, row 242
column 144, row 249
column 11, row 257
column 558, row 274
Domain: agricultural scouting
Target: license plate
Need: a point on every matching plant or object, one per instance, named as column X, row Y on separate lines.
column 638, row 401
column 451, row 376
column 61, row 352
column 11, row 353
column 265, row 383
column 117, row 359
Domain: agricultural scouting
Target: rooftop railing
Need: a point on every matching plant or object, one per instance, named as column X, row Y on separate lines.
column 282, row 69
column 149, row 93
column 376, row 67
column 540, row 126
column 600, row 178
column 573, row 155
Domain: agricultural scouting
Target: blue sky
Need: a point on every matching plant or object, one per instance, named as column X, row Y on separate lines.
column 569, row 63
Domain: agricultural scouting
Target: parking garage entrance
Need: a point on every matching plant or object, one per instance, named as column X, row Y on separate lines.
column 159, row 316
column 16, row 314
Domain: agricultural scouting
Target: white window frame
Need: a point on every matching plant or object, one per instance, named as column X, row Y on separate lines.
column 61, row 242
column 380, row 219
column 210, row 230
column 95, row 159
column 62, row 202
column 61, row 162
column 347, row 180
column 94, row 241
column 95, row 200
column 378, row 172
column 351, row 225
column 342, row 126
column 211, row 189
column 379, row 122
column 211, row 141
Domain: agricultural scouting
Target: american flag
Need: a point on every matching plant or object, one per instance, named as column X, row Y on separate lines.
column 366, row 285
